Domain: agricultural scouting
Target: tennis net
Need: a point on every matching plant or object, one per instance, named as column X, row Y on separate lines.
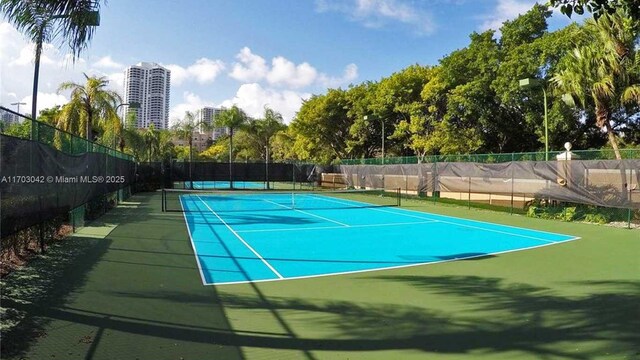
column 178, row 200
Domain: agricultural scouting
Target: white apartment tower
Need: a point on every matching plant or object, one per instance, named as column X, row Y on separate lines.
column 208, row 115
column 148, row 84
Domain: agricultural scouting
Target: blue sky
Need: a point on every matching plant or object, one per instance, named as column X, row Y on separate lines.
column 255, row 52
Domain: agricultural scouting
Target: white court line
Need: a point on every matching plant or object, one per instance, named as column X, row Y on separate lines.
column 193, row 245
column 307, row 213
column 335, row 227
column 453, row 223
column 242, row 240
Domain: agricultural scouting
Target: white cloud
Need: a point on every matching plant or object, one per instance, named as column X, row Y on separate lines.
column 45, row 100
column 178, row 74
column 203, row 71
column 206, row 70
column 285, row 72
column 116, row 81
column 190, row 102
column 252, row 98
column 380, row 13
column 350, row 73
column 505, row 10
column 251, row 67
column 107, row 62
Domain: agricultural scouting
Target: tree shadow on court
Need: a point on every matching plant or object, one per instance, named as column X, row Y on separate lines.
column 28, row 294
column 499, row 318
column 45, row 291
column 518, row 316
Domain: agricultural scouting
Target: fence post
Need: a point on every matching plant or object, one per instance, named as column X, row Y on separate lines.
column 435, row 178
column 469, row 194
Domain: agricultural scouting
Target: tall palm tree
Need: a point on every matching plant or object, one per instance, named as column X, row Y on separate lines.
column 33, row 18
column 75, row 24
column 604, row 72
column 185, row 129
column 152, row 141
column 261, row 131
column 232, row 119
column 91, row 105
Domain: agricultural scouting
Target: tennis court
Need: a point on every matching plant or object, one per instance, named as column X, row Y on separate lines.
column 242, row 237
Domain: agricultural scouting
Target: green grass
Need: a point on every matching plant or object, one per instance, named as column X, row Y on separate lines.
column 136, row 294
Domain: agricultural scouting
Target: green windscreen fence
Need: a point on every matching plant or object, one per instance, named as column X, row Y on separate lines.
column 45, row 173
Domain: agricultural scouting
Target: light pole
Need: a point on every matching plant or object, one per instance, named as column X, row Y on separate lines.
column 381, row 122
column 15, row 118
column 18, row 103
column 92, row 18
column 530, row 83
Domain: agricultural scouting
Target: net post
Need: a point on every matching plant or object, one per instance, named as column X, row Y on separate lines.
column 163, row 197
column 399, row 194
column 629, row 218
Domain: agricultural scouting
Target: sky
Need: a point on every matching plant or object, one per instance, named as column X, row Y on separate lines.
column 253, row 53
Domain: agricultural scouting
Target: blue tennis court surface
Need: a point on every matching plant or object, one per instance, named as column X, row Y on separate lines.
column 202, row 185
column 261, row 237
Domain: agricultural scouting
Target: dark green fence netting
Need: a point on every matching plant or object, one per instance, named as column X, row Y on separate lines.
column 38, row 182
column 212, row 171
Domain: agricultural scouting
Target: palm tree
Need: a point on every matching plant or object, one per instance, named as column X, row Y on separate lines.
column 134, row 142
column 261, row 131
column 165, row 146
column 184, row 130
column 152, row 141
column 604, row 72
column 75, row 25
column 232, row 119
column 91, row 105
column 33, row 18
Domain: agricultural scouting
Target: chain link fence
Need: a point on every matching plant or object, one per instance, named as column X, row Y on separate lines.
column 602, row 154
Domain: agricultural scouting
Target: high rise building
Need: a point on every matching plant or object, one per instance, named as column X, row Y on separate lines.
column 148, row 84
column 208, row 115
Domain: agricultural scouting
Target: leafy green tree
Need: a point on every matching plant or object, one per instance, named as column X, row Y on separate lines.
column 165, row 149
column 390, row 101
column 20, row 130
column 91, row 105
column 50, row 115
column 598, row 7
column 259, row 133
column 151, row 138
column 133, row 143
column 604, row 73
column 321, row 128
column 282, row 145
column 218, row 151
column 471, row 113
column 131, row 122
column 528, row 50
column 185, row 128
